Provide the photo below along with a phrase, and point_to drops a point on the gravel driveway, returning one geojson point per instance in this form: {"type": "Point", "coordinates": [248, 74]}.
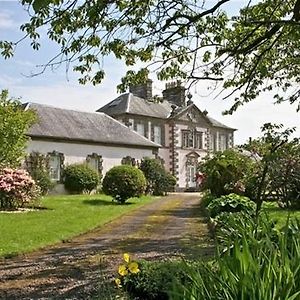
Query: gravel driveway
{"type": "Point", "coordinates": [169, 227]}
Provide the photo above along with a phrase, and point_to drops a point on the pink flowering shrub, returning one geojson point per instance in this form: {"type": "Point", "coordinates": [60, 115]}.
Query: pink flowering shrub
{"type": "Point", "coordinates": [17, 188]}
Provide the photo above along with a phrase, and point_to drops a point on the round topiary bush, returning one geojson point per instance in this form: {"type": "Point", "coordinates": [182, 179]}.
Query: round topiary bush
{"type": "Point", "coordinates": [80, 178]}
{"type": "Point", "coordinates": [123, 182]}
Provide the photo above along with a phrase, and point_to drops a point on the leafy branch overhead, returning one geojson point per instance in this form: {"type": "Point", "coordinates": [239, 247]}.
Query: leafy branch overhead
{"type": "Point", "coordinates": [255, 51]}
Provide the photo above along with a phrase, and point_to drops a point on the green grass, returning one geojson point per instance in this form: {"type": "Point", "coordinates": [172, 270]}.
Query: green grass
{"type": "Point", "coordinates": [279, 214]}
{"type": "Point", "coordinates": [64, 218]}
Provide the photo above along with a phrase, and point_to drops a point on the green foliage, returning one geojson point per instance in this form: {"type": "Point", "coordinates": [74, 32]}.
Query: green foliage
{"type": "Point", "coordinates": [276, 172]}
{"type": "Point", "coordinates": [70, 215]}
{"type": "Point", "coordinates": [284, 174]}
{"type": "Point", "coordinates": [43, 180]}
{"type": "Point", "coordinates": [225, 172]}
{"type": "Point", "coordinates": [252, 52]}
{"type": "Point", "coordinates": [257, 42]}
{"type": "Point", "coordinates": [159, 181]}
{"type": "Point", "coordinates": [37, 165]}
{"type": "Point", "coordinates": [80, 178]}
{"type": "Point", "coordinates": [206, 199]}
{"type": "Point", "coordinates": [170, 182]}
{"type": "Point", "coordinates": [14, 124]}
{"type": "Point", "coordinates": [154, 280]}
{"type": "Point", "coordinates": [230, 203]}
{"type": "Point", "coordinates": [164, 183]}
{"type": "Point", "coordinates": [255, 264]}
{"type": "Point", "coordinates": [124, 182]}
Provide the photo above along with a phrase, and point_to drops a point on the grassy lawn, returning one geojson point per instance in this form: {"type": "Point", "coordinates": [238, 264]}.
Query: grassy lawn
{"type": "Point", "coordinates": [65, 217]}
{"type": "Point", "coordinates": [279, 214]}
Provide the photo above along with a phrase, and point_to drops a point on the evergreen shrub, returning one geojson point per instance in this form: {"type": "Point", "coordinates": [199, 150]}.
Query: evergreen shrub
{"type": "Point", "coordinates": [79, 178]}
{"type": "Point", "coordinates": [123, 182]}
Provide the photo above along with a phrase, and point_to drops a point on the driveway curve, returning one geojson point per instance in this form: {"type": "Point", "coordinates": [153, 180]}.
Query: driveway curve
{"type": "Point", "coordinates": [166, 228]}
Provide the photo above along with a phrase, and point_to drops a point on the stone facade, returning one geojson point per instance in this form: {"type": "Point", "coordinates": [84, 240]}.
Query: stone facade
{"type": "Point", "coordinates": [185, 133]}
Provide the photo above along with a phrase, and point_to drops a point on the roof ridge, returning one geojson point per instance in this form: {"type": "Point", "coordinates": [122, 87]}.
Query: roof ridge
{"type": "Point", "coordinates": [128, 102]}
{"type": "Point", "coordinates": [28, 104]}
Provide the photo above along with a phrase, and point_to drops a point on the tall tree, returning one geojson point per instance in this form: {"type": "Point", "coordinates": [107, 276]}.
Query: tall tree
{"type": "Point", "coordinates": [14, 124]}
{"type": "Point", "coordinates": [278, 164]}
{"type": "Point", "coordinates": [256, 51]}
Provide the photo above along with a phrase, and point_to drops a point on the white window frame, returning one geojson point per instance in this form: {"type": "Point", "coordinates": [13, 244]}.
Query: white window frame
{"type": "Point", "coordinates": [185, 139]}
{"type": "Point", "coordinates": [157, 134]}
{"type": "Point", "coordinates": [223, 142]}
{"type": "Point", "coordinates": [199, 140]}
{"type": "Point", "coordinates": [192, 139]}
{"type": "Point", "coordinates": [140, 129]}
{"type": "Point", "coordinates": [56, 169]}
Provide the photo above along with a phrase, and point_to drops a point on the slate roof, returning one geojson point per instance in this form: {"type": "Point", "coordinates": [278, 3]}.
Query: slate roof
{"type": "Point", "coordinates": [216, 123]}
{"type": "Point", "coordinates": [72, 125]}
{"type": "Point", "coordinates": [130, 104]}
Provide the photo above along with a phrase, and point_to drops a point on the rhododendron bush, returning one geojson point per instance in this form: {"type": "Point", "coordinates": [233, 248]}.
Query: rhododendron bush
{"type": "Point", "coordinates": [17, 188]}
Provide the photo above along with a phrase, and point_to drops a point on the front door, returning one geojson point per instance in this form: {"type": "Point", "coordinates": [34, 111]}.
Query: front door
{"type": "Point", "coordinates": [191, 176]}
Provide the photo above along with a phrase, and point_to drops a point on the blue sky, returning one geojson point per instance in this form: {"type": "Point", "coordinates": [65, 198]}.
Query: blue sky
{"type": "Point", "coordinates": [61, 89]}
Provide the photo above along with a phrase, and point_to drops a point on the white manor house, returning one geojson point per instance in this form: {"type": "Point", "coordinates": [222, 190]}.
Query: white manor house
{"type": "Point", "coordinates": [132, 126]}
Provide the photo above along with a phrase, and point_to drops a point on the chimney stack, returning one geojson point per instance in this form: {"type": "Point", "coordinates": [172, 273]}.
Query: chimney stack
{"type": "Point", "coordinates": [143, 90]}
{"type": "Point", "coordinates": [175, 93]}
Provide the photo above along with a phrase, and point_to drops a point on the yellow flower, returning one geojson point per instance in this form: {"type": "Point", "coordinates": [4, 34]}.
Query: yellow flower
{"type": "Point", "coordinates": [123, 270]}
{"type": "Point", "coordinates": [133, 267]}
{"type": "Point", "coordinates": [118, 282]}
{"type": "Point", "coordinates": [126, 257]}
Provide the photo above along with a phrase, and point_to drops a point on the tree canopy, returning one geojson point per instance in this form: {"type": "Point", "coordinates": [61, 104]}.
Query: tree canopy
{"type": "Point", "coordinates": [247, 54]}
{"type": "Point", "coordinates": [14, 124]}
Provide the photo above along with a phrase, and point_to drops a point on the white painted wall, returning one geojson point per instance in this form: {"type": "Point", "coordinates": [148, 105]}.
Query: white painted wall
{"type": "Point", "coordinates": [76, 153]}
{"type": "Point", "coordinates": [164, 153]}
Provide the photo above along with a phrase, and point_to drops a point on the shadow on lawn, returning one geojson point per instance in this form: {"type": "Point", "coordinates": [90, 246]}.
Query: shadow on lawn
{"type": "Point", "coordinates": [70, 270]}
{"type": "Point", "coordinates": [97, 202]}
{"type": "Point", "coordinates": [100, 202]}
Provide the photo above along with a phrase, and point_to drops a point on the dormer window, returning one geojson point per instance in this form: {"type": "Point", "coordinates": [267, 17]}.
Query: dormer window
{"type": "Point", "coordinates": [140, 128]}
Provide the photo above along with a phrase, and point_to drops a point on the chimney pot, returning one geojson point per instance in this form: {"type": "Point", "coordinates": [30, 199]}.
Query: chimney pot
{"type": "Point", "coordinates": [143, 90]}
{"type": "Point", "coordinates": [175, 93]}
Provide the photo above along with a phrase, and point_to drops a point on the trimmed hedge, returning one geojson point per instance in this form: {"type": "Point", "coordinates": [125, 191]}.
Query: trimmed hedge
{"type": "Point", "coordinates": [80, 178]}
{"type": "Point", "coordinates": [124, 182]}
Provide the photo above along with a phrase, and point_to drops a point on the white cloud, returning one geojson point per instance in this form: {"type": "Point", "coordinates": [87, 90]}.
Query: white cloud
{"type": "Point", "coordinates": [6, 20]}
{"type": "Point", "coordinates": [65, 95]}
{"type": "Point", "coordinates": [7, 81]}
{"type": "Point", "coordinates": [24, 63]}
{"type": "Point", "coordinates": [249, 118]}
